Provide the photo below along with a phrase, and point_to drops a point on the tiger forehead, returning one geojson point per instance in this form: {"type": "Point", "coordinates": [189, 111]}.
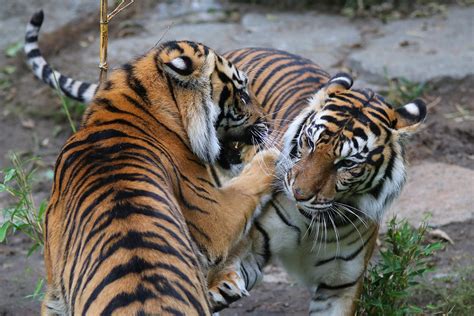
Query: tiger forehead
{"type": "Point", "coordinates": [360, 105]}
{"type": "Point", "coordinates": [170, 50]}
{"type": "Point", "coordinates": [239, 78]}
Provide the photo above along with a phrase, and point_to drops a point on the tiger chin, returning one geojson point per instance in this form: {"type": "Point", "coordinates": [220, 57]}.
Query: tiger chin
{"type": "Point", "coordinates": [134, 220]}
{"type": "Point", "coordinates": [341, 166]}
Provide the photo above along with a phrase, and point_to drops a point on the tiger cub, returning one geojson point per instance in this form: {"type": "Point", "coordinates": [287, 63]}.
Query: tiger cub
{"type": "Point", "coordinates": [134, 219]}
{"type": "Point", "coordinates": [342, 164]}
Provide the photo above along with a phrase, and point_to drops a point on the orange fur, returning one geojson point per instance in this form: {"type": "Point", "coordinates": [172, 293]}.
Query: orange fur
{"type": "Point", "coordinates": [134, 219]}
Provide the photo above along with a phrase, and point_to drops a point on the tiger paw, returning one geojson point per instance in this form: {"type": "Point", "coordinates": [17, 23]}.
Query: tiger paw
{"type": "Point", "coordinates": [227, 290]}
{"type": "Point", "coordinates": [261, 170]}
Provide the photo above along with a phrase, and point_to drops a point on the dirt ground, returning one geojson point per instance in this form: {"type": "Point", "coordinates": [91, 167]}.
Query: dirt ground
{"type": "Point", "coordinates": [32, 123]}
{"type": "Point", "coordinates": [447, 137]}
{"type": "Point", "coordinates": [19, 275]}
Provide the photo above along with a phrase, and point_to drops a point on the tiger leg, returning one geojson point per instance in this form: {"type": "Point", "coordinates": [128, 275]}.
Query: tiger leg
{"type": "Point", "coordinates": [233, 209]}
{"type": "Point", "coordinates": [341, 299]}
{"type": "Point", "coordinates": [240, 273]}
{"type": "Point", "coordinates": [335, 301]}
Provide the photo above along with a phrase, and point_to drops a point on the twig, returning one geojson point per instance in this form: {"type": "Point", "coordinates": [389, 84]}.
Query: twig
{"type": "Point", "coordinates": [163, 35]}
{"type": "Point", "coordinates": [122, 6]}
{"type": "Point", "coordinates": [104, 34]}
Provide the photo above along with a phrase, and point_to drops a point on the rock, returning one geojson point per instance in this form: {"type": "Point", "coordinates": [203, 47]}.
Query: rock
{"type": "Point", "coordinates": [15, 15]}
{"type": "Point", "coordinates": [320, 37]}
{"type": "Point", "coordinates": [445, 191]}
{"type": "Point", "coordinates": [420, 49]}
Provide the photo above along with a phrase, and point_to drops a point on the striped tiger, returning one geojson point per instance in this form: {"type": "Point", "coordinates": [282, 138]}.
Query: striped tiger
{"type": "Point", "coordinates": [134, 220]}
{"type": "Point", "coordinates": [323, 223]}
{"type": "Point", "coordinates": [342, 164]}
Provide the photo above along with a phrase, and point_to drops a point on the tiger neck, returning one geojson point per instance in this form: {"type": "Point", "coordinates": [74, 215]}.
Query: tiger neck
{"type": "Point", "coordinates": [143, 100]}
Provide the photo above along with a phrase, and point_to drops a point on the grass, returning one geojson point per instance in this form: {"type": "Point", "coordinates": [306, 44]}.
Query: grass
{"type": "Point", "coordinates": [23, 214]}
{"type": "Point", "coordinates": [401, 91]}
{"type": "Point", "coordinates": [450, 295]}
{"type": "Point", "coordinates": [404, 260]}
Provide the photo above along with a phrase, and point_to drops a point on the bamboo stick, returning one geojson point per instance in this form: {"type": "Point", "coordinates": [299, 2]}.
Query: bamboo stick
{"type": "Point", "coordinates": [104, 34]}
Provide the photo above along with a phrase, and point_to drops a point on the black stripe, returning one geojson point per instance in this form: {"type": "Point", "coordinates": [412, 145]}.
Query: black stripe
{"type": "Point", "coordinates": [135, 84]}
{"type": "Point", "coordinates": [349, 257]}
{"type": "Point", "coordinates": [141, 294]}
{"type": "Point", "coordinates": [324, 286]}
{"type": "Point", "coordinates": [31, 38]}
{"type": "Point", "coordinates": [286, 221]}
{"type": "Point", "coordinates": [135, 265]}
{"type": "Point", "coordinates": [33, 53]}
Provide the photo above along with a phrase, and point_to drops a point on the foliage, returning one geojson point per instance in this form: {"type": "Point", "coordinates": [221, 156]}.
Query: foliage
{"type": "Point", "coordinates": [449, 295]}
{"type": "Point", "coordinates": [13, 49]}
{"type": "Point", "coordinates": [403, 260]}
{"type": "Point", "coordinates": [382, 9]}
{"type": "Point", "coordinates": [23, 215]}
{"type": "Point", "coordinates": [401, 90]}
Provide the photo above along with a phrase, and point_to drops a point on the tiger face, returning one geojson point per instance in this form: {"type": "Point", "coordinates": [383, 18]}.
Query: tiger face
{"type": "Point", "coordinates": [222, 110]}
{"type": "Point", "coordinates": [240, 118]}
{"type": "Point", "coordinates": [347, 149]}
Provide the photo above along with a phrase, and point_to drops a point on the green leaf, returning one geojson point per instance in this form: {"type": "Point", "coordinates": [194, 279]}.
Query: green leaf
{"type": "Point", "coordinates": [38, 287]}
{"type": "Point", "coordinates": [4, 230]}
{"type": "Point", "coordinates": [9, 174]}
{"type": "Point", "coordinates": [3, 187]}
{"type": "Point", "coordinates": [13, 49]}
{"type": "Point", "coordinates": [9, 70]}
{"type": "Point", "coordinates": [32, 249]}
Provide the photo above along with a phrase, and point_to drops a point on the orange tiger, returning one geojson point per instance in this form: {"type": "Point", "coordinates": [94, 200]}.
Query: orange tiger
{"type": "Point", "coordinates": [134, 220]}
{"type": "Point", "coordinates": [342, 164]}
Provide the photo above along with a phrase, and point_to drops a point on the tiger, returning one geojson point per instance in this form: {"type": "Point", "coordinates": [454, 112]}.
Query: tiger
{"type": "Point", "coordinates": [322, 224]}
{"type": "Point", "coordinates": [342, 164]}
{"type": "Point", "coordinates": [134, 220]}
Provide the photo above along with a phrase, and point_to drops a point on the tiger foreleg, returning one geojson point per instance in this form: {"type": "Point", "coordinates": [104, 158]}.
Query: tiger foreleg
{"type": "Point", "coordinates": [335, 301]}
{"type": "Point", "coordinates": [240, 274]}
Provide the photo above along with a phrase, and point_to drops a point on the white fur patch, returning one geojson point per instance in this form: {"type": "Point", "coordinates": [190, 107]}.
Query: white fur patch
{"type": "Point", "coordinates": [201, 132]}
{"type": "Point", "coordinates": [179, 63]}
{"type": "Point", "coordinates": [343, 78]}
{"type": "Point", "coordinates": [413, 109]}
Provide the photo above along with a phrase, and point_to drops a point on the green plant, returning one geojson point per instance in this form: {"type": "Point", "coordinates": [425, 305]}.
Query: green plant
{"type": "Point", "coordinates": [404, 259]}
{"type": "Point", "coordinates": [13, 49]}
{"type": "Point", "coordinates": [401, 90]}
{"type": "Point", "coordinates": [449, 295]}
{"type": "Point", "coordinates": [22, 215]}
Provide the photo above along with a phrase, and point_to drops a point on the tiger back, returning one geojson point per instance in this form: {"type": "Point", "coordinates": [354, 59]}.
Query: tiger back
{"type": "Point", "coordinates": [134, 219]}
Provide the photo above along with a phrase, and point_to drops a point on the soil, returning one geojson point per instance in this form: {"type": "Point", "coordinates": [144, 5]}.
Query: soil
{"type": "Point", "coordinates": [19, 275]}
{"type": "Point", "coordinates": [448, 133]}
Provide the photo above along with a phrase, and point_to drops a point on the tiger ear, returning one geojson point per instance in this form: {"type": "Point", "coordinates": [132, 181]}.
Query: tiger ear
{"type": "Point", "coordinates": [182, 65]}
{"type": "Point", "coordinates": [338, 83]}
{"type": "Point", "coordinates": [409, 117]}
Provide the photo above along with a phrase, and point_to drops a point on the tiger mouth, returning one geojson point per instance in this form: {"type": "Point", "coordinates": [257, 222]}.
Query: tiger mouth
{"type": "Point", "coordinates": [308, 215]}
{"type": "Point", "coordinates": [311, 212]}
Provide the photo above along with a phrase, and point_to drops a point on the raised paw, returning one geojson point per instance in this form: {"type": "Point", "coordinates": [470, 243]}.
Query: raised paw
{"type": "Point", "coordinates": [261, 170]}
{"type": "Point", "coordinates": [230, 288]}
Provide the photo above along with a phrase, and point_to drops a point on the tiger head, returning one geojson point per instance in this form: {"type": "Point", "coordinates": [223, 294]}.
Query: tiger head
{"type": "Point", "coordinates": [345, 151]}
{"type": "Point", "coordinates": [218, 105]}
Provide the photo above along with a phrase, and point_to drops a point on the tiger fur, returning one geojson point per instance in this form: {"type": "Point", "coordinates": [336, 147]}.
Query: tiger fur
{"type": "Point", "coordinates": [341, 166]}
{"type": "Point", "coordinates": [134, 220]}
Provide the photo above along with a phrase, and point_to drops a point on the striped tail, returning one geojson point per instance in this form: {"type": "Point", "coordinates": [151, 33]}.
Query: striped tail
{"type": "Point", "coordinates": [74, 89]}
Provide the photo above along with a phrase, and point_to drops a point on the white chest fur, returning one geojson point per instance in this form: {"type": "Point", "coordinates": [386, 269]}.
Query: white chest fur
{"type": "Point", "coordinates": [315, 253]}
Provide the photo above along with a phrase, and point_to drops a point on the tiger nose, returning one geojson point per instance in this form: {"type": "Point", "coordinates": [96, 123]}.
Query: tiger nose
{"type": "Point", "coordinates": [299, 194]}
